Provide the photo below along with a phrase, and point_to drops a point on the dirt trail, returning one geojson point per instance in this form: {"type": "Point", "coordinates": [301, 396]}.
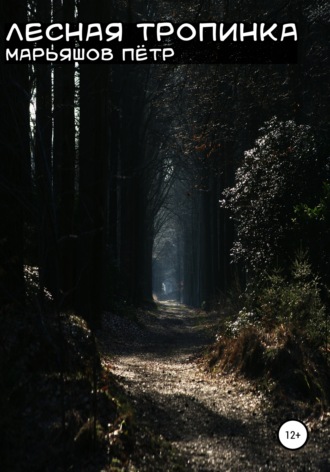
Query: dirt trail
{"type": "Point", "coordinates": [215, 424]}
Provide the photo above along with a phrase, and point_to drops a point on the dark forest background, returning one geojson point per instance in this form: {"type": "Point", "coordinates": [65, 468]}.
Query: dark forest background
{"type": "Point", "coordinates": [112, 173]}
{"type": "Point", "coordinates": [200, 183]}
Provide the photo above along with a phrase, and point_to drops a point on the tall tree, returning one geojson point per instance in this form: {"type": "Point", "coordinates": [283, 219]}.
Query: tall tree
{"type": "Point", "coordinates": [14, 165]}
{"type": "Point", "coordinates": [94, 146]}
{"type": "Point", "coordinates": [46, 224]}
{"type": "Point", "coordinates": [64, 159]}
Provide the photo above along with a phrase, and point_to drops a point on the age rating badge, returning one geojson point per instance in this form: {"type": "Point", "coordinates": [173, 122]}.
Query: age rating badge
{"type": "Point", "coordinates": [293, 434]}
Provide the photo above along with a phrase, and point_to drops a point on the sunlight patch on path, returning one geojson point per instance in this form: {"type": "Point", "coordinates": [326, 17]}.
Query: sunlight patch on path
{"type": "Point", "coordinates": [216, 423]}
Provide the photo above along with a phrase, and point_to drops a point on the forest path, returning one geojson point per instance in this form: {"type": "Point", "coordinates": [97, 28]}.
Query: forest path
{"type": "Point", "coordinates": [215, 423]}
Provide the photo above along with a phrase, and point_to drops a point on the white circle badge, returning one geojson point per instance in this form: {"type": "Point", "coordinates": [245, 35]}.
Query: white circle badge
{"type": "Point", "coordinates": [293, 434]}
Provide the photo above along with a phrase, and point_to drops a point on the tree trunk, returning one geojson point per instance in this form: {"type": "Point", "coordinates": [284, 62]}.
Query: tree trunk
{"type": "Point", "coordinates": [47, 240]}
{"type": "Point", "coordinates": [64, 163]}
{"type": "Point", "coordinates": [14, 167]}
{"type": "Point", "coordinates": [94, 145]}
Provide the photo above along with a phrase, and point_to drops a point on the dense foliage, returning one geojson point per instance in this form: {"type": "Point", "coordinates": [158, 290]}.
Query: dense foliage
{"type": "Point", "coordinates": [293, 300]}
{"type": "Point", "coordinates": [282, 170]}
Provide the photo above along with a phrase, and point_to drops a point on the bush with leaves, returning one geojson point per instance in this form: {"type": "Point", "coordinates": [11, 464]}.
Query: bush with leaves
{"type": "Point", "coordinates": [281, 171]}
{"type": "Point", "coordinates": [292, 300]}
{"type": "Point", "coordinates": [245, 319]}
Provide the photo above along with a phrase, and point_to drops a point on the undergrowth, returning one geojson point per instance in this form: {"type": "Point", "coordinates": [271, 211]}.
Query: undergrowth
{"type": "Point", "coordinates": [51, 419]}
{"type": "Point", "coordinates": [61, 406]}
{"type": "Point", "coordinates": [279, 337]}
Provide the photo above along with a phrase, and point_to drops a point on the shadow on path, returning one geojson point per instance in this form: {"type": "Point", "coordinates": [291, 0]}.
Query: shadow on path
{"type": "Point", "coordinates": [216, 424]}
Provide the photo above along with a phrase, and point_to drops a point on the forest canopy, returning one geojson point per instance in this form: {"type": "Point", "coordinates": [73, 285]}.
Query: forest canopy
{"type": "Point", "coordinates": [90, 203]}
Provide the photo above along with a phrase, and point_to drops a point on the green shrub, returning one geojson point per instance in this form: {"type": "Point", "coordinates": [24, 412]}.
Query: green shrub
{"type": "Point", "coordinates": [282, 170]}
{"type": "Point", "coordinates": [244, 320]}
{"type": "Point", "coordinates": [293, 299]}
